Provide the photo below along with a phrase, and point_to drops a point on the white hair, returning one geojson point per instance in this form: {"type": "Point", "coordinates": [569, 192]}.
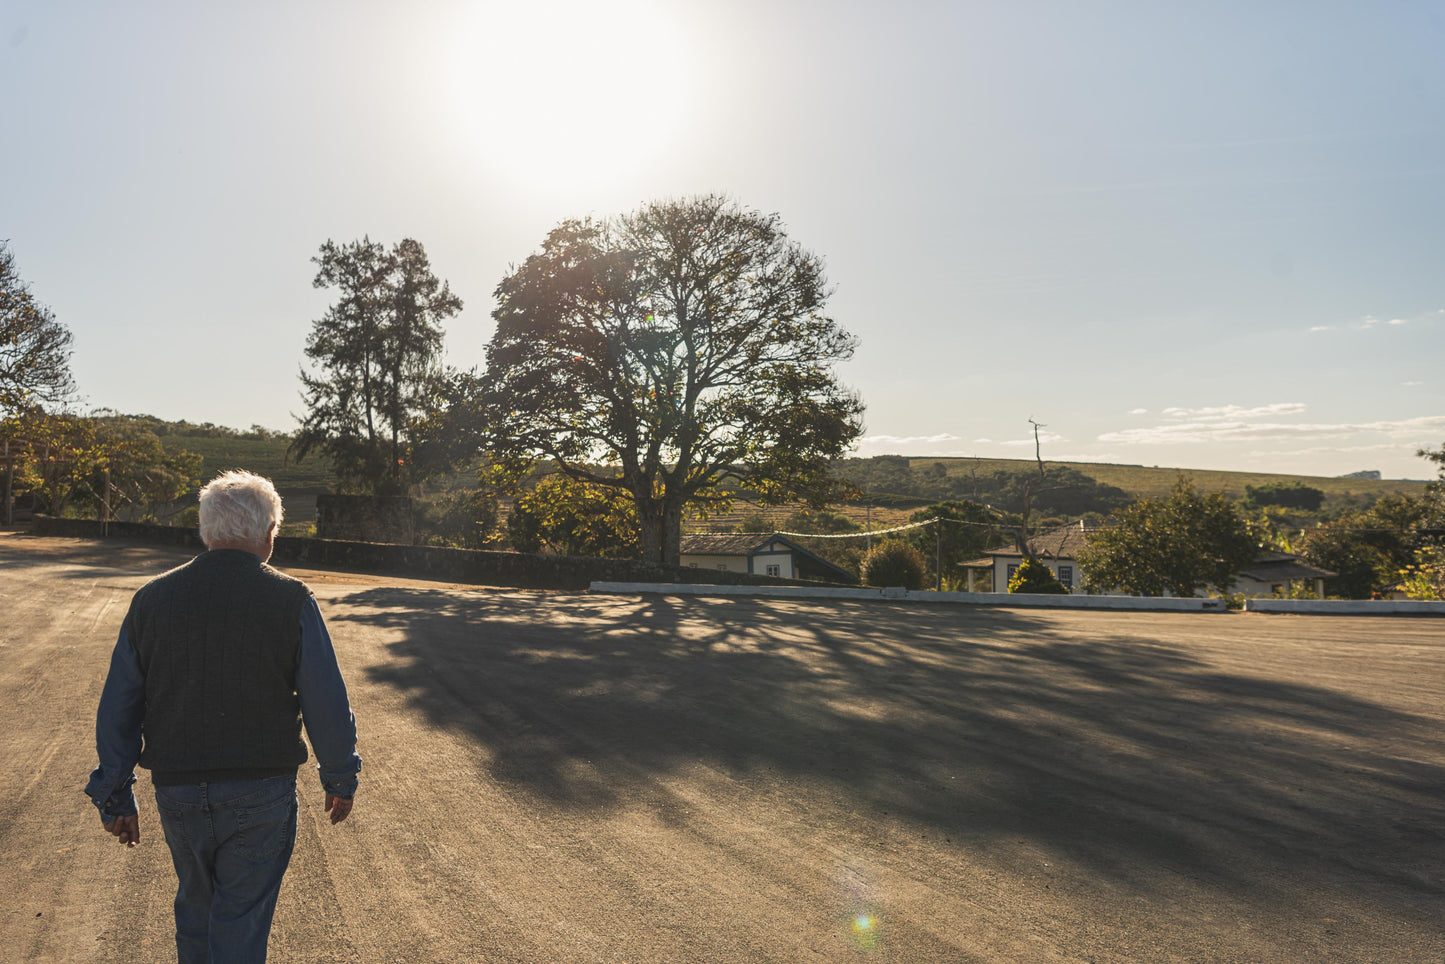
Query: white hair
{"type": "Point", "coordinates": [240, 507]}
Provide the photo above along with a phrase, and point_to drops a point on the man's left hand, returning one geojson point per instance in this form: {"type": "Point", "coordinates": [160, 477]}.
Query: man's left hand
{"type": "Point", "coordinates": [127, 829]}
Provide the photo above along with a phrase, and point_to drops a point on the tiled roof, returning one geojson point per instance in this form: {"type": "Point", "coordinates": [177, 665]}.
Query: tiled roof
{"type": "Point", "coordinates": [723, 543]}
{"type": "Point", "coordinates": [1063, 542]}
{"type": "Point", "coordinates": [1283, 567]}
{"type": "Point", "coordinates": [1066, 541]}
{"type": "Point", "coordinates": [746, 543]}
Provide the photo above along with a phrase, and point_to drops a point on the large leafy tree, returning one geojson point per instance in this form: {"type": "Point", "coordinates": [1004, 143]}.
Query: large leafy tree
{"type": "Point", "coordinates": [1369, 550]}
{"type": "Point", "coordinates": [573, 518]}
{"type": "Point", "coordinates": [34, 346]}
{"type": "Point", "coordinates": [965, 533]}
{"type": "Point", "coordinates": [377, 357]}
{"type": "Point", "coordinates": [1180, 544]}
{"type": "Point", "coordinates": [658, 352]}
{"type": "Point", "coordinates": [112, 464]}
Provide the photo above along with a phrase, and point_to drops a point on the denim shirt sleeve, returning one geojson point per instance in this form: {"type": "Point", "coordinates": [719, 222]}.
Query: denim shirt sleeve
{"type": "Point", "coordinates": [325, 707]}
{"type": "Point", "coordinates": [118, 732]}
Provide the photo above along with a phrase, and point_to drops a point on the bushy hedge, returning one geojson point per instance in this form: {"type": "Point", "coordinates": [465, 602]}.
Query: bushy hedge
{"type": "Point", "coordinates": [893, 563]}
{"type": "Point", "coordinates": [1034, 576]}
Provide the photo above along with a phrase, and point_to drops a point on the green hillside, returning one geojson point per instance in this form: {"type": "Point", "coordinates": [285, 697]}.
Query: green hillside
{"type": "Point", "coordinates": [1143, 481]}
{"type": "Point", "coordinates": [263, 456]}
{"type": "Point", "coordinates": [224, 449]}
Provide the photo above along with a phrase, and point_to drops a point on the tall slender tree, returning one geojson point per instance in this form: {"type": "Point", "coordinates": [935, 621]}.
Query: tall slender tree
{"type": "Point", "coordinates": [34, 346]}
{"type": "Point", "coordinates": [376, 357]}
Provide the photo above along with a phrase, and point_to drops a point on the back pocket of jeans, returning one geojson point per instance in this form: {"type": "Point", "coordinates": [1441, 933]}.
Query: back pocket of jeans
{"type": "Point", "coordinates": [263, 832]}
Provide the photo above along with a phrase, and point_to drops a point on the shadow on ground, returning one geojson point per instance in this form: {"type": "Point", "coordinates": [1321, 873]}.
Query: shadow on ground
{"type": "Point", "coordinates": [979, 724]}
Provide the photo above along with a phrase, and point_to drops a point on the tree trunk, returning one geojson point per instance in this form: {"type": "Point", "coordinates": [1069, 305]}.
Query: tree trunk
{"type": "Point", "coordinates": [672, 532]}
{"type": "Point", "coordinates": [650, 529]}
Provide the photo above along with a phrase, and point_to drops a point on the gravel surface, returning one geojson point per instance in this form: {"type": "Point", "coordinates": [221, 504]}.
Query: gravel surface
{"type": "Point", "coordinates": [565, 777]}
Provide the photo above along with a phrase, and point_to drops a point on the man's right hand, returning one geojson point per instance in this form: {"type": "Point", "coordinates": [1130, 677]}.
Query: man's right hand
{"type": "Point", "coordinates": [127, 829]}
{"type": "Point", "coordinates": [338, 807]}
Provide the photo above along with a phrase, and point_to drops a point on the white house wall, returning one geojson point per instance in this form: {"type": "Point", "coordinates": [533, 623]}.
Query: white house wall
{"type": "Point", "coordinates": [1001, 566]}
{"type": "Point", "coordinates": [783, 560]}
{"type": "Point", "coordinates": [730, 563]}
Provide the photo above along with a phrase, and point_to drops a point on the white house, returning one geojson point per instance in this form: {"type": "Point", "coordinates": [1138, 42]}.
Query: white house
{"type": "Point", "coordinates": [759, 553]}
{"type": "Point", "coordinates": [1058, 549]}
{"type": "Point", "coordinates": [1055, 549]}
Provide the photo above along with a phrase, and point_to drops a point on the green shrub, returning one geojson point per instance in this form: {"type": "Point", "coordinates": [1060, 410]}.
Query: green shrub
{"type": "Point", "coordinates": [461, 519]}
{"type": "Point", "coordinates": [1034, 576]}
{"type": "Point", "coordinates": [893, 563]}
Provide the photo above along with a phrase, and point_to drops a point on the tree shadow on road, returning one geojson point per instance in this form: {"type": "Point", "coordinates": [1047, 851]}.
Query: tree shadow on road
{"type": "Point", "coordinates": [980, 724]}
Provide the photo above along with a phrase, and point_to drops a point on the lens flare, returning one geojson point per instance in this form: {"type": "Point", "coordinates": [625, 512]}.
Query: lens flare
{"type": "Point", "coordinates": [865, 931]}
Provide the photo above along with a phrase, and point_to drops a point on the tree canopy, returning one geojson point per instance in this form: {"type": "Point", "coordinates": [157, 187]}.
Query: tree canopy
{"type": "Point", "coordinates": [658, 352]}
{"type": "Point", "coordinates": [1371, 549]}
{"type": "Point", "coordinates": [1180, 544]}
{"type": "Point", "coordinates": [966, 532]}
{"type": "Point", "coordinates": [377, 355]}
{"type": "Point", "coordinates": [108, 462]}
{"type": "Point", "coordinates": [34, 346]}
{"type": "Point", "coordinates": [1290, 495]}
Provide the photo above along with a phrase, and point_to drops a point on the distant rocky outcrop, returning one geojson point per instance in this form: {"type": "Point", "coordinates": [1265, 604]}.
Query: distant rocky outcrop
{"type": "Point", "coordinates": [1370, 475]}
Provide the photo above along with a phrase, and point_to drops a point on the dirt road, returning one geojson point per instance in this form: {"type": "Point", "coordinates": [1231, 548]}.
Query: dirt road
{"type": "Point", "coordinates": [579, 778]}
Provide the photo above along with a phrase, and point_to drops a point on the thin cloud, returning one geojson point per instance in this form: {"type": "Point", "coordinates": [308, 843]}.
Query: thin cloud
{"type": "Point", "coordinates": [1084, 457]}
{"type": "Point", "coordinates": [909, 439]}
{"type": "Point", "coordinates": [1193, 433]}
{"type": "Point", "coordinates": [1211, 413]}
{"type": "Point", "coordinates": [1399, 321]}
{"type": "Point", "coordinates": [1046, 438]}
{"type": "Point", "coordinates": [1138, 411]}
{"type": "Point", "coordinates": [1411, 384]}
{"type": "Point", "coordinates": [1323, 328]}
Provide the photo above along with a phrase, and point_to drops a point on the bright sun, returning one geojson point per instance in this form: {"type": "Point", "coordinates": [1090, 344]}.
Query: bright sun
{"type": "Point", "coordinates": [569, 91]}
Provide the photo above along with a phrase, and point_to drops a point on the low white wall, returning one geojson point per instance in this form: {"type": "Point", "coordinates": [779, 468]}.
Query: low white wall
{"type": "Point", "coordinates": [1012, 600]}
{"type": "Point", "coordinates": [1347, 607]}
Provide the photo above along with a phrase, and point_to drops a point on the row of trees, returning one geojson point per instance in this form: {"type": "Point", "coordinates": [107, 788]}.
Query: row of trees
{"type": "Point", "coordinates": [111, 465]}
{"type": "Point", "coordinates": [657, 359]}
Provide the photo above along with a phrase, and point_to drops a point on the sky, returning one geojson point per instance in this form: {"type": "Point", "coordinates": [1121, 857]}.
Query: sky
{"type": "Point", "coordinates": [1205, 235]}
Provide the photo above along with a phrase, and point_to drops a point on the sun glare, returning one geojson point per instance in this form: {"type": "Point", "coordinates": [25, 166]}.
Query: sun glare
{"type": "Point", "coordinates": [559, 92]}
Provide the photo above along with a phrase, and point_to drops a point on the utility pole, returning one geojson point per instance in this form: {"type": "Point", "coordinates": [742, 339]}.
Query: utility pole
{"type": "Point", "coordinates": [9, 485]}
{"type": "Point", "coordinates": [938, 554]}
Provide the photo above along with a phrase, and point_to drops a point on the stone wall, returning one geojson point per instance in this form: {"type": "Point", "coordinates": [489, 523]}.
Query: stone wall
{"type": "Point", "coordinates": [520, 569]}
{"type": "Point", "coordinates": [364, 518]}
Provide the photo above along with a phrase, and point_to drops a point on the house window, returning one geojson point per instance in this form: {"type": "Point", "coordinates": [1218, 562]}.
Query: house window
{"type": "Point", "coordinates": [775, 571]}
{"type": "Point", "coordinates": [1066, 576]}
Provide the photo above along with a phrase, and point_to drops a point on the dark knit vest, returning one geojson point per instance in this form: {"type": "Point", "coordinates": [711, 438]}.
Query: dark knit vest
{"type": "Point", "coordinates": [219, 640]}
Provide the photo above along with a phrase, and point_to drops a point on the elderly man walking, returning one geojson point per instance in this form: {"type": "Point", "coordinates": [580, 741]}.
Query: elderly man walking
{"type": "Point", "coordinates": [217, 665]}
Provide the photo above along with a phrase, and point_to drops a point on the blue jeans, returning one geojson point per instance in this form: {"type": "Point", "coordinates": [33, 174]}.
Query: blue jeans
{"type": "Point", "coordinates": [231, 842]}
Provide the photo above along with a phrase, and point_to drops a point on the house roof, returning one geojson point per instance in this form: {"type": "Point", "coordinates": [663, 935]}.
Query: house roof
{"type": "Point", "coordinates": [1063, 542]}
{"type": "Point", "coordinates": [747, 544]}
{"type": "Point", "coordinates": [723, 543]}
{"type": "Point", "coordinates": [1282, 567]}
{"type": "Point", "coordinates": [1066, 541]}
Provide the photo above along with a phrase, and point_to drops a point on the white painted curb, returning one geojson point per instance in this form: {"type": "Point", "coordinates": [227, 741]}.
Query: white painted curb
{"type": "Point", "coordinates": [1348, 607]}
{"type": "Point", "coordinates": [1009, 599]}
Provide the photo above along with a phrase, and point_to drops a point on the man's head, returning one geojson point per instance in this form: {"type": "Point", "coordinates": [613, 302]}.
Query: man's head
{"type": "Point", "coordinates": [240, 511]}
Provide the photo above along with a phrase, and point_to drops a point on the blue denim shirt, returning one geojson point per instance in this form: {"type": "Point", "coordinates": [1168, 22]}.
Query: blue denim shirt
{"type": "Point", "coordinates": [325, 709]}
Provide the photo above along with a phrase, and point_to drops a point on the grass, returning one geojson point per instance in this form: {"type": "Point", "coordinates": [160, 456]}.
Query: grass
{"type": "Point", "coordinates": [262, 456]}
{"type": "Point", "coordinates": [1142, 481]}
{"type": "Point", "coordinates": [313, 475]}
